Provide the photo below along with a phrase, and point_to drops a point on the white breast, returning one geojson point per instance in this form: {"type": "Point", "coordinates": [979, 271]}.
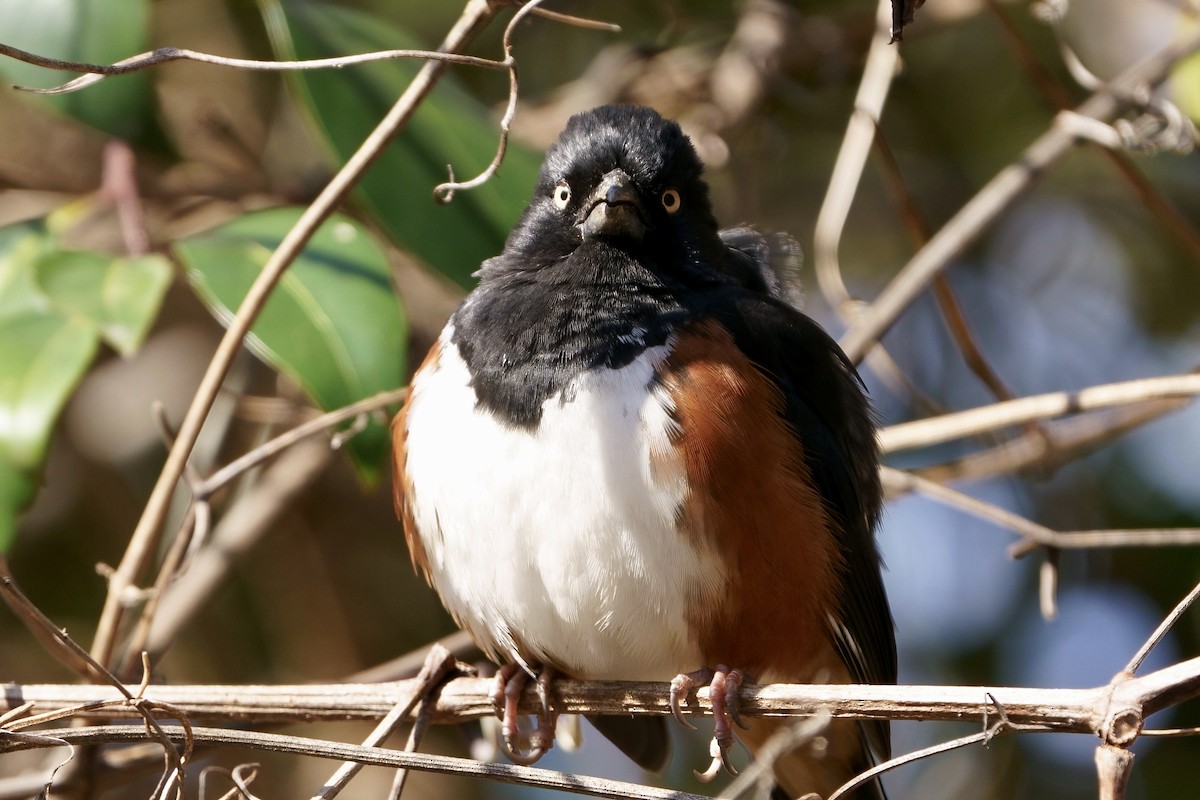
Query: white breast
{"type": "Point", "coordinates": [559, 545]}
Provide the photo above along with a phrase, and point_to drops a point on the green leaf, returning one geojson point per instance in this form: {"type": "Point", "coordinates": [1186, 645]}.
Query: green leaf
{"type": "Point", "coordinates": [120, 296]}
{"type": "Point", "coordinates": [43, 354]}
{"type": "Point", "coordinates": [20, 245]}
{"type": "Point", "coordinates": [1185, 83]}
{"type": "Point", "coordinates": [333, 323]}
{"type": "Point", "coordinates": [17, 488]}
{"type": "Point", "coordinates": [450, 127]}
{"type": "Point", "coordinates": [94, 31]}
{"type": "Point", "coordinates": [55, 305]}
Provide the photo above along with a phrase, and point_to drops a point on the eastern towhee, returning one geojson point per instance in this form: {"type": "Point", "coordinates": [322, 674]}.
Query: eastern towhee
{"type": "Point", "coordinates": [627, 457]}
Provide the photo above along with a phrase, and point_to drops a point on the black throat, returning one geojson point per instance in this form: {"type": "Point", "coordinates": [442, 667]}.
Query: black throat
{"type": "Point", "coordinates": [528, 331]}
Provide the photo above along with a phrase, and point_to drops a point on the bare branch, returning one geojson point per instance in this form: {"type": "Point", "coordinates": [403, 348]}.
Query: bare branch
{"type": "Point", "coordinates": [578, 22]}
{"type": "Point", "coordinates": [961, 424]}
{"type": "Point", "coordinates": [375, 756]}
{"type": "Point", "coordinates": [242, 526]}
{"type": "Point", "coordinates": [1114, 711]}
{"type": "Point", "coordinates": [1036, 535]}
{"type": "Point", "coordinates": [1162, 629]}
{"type": "Point", "coordinates": [908, 758]}
{"type": "Point", "coordinates": [878, 73]}
{"type": "Point", "coordinates": [462, 699]}
{"type": "Point", "coordinates": [76, 657]}
{"type": "Point", "coordinates": [314, 426]}
{"type": "Point", "coordinates": [1068, 439]}
{"type": "Point", "coordinates": [1057, 98]}
{"type": "Point", "coordinates": [1113, 768]}
{"type": "Point", "coordinates": [438, 664]}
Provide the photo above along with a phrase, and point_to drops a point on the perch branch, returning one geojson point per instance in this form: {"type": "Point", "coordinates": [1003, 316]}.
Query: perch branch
{"type": "Point", "coordinates": [463, 699]}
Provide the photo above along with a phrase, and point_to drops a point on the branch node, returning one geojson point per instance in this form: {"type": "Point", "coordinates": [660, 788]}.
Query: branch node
{"type": "Point", "coordinates": [1122, 727]}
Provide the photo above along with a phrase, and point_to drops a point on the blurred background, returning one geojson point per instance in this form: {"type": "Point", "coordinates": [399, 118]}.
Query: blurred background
{"type": "Point", "coordinates": [176, 180]}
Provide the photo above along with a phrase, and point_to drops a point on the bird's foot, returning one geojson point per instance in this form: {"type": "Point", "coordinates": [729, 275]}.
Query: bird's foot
{"type": "Point", "coordinates": [510, 682]}
{"type": "Point", "coordinates": [723, 686]}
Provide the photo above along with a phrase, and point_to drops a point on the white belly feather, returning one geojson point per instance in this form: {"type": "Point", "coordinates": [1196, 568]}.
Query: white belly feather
{"type": "Point", "coordinates": [559, 545]}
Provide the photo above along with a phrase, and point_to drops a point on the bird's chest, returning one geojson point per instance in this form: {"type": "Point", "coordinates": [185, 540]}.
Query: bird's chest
{"type": "Point", "coordinates": [558, 543]}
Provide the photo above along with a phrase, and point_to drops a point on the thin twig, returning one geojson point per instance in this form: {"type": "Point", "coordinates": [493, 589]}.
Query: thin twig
{"type": "Point", "coordinates": [89, 668]}
{"type": "Point", "coordinates": [1168, 733]}
{"type": "Point", "coordinates": [444, 192]}
{"type": "Point", "coordinates": [908, 758]}
{"type": "Point", "coordinates": [263, 452]}
{"type": "Point", "coordinates": [1073, 438]}
{"type": "Point", "coordinates": [972, 219]}
{"type": "Point", "coordinates": [168, 571]}
{"type": "Point", "coordinates": [165, 55]}
{"type": "Point", "coordinates": [1056, 98]}
{"type": "Point", "coordinates": [1037, 535]}
{"type": "Point", "coordinates": [118, 183]}
{"type": "Point", "coordinates": [760, 772]}
{"type": "Point", "coordinates": [578, 22]}
{"type": "Point", "coordinates": [880, 69]}
{"type": "Point", "coordinates": [145, 537]}
{"type": "Point", "coordinates": [438, 664]}
{"type": "Point", "coordinates": [951, 311]}
{"type": "Point", "coordinates": [242, 526]}
{"type": "Point", "coordinates": [375, 756]}
{"type": "Point", "coordinates": [1162, 629]}
{"type": "Point", "coordinates": [460, 644]}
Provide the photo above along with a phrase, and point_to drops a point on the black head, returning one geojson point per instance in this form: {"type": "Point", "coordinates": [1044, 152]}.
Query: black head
{"type": "Point", "coordinates": [619, 177]}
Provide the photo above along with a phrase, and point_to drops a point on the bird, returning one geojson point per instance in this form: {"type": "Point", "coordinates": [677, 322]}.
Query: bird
{"type": "Point", "coordinates": [628, 456]}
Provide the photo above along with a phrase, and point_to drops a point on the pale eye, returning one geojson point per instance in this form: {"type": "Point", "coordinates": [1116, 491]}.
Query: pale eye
{"type": "Point", "coordinates": [670, 200]}
{"type": "Point", "coordinates": [562, 194]}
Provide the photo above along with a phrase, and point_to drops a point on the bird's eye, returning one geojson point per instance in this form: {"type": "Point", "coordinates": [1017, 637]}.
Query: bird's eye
{"type": "Point", "coordinates": [562, 194]}
{"type": "Point", "coordinates": [670, 200]}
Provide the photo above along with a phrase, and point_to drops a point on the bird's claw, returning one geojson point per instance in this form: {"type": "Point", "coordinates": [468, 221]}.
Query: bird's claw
{"type": "Point", "coordinates": [719, 752]}
{"type": "Point", "coordinates": [724, 687]}
{"type": "Point", "coordinates": [539, 745]}
{"type": "Point", "coordinates": [681, 685]}
{"type": "Point", "coordinates": [506, 696]}
{"type": "Point", "coordinates": [734, 679]}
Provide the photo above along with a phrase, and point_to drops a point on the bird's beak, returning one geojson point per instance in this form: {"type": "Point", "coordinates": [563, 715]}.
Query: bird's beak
{"type": "Point", "coordinates": [614, 209]}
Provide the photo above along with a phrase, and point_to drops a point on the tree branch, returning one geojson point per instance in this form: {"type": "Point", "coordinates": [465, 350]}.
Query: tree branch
{"type": "Point", "coordinates": [961, 424]}
{"type": "Point", "coordinates": [374, 756]}
{"type": "Point", "coordinates": [966, 226]}
{"type": "Point", "coordinates": [165, 55]}
{"type": "Point", "coordinates": [464, 699]}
